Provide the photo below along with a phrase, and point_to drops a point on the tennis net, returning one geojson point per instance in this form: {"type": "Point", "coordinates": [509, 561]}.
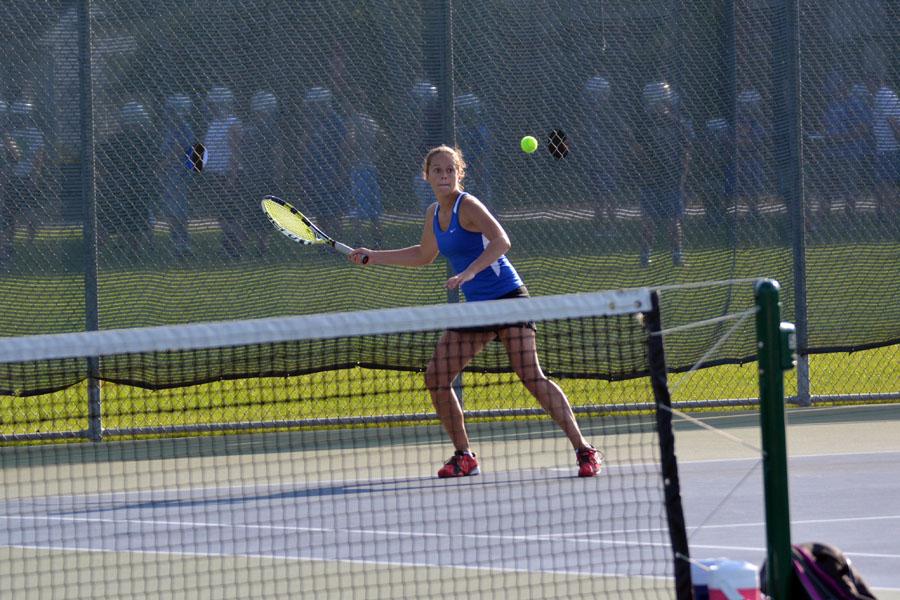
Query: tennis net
{"type": "Point", "coordinates": [326, 484]}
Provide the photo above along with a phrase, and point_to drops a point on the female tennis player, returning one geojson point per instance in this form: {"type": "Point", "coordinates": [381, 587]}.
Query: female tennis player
{"type": "Point", "coordinates": [460, 227]}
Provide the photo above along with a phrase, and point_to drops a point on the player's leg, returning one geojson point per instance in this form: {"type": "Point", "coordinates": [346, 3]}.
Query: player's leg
{"type": "Point", "coordinates": [522, 349]}
{"type": "Point", "coordinates": [521, 346]}
{"type": "Point", "coordinates": [454, 351]}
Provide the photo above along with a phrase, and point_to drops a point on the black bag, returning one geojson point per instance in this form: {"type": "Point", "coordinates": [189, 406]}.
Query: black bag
{"type": "Point", "coordinates": [822, 572]}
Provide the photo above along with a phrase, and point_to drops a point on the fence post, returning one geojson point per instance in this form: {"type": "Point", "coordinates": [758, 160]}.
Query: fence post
{"type": "Point", "coordinates": [89, 213]}
{"type": "Point", "coordinates": [789, 150]}
{"type": "Point", "coordinates": [439, 67]}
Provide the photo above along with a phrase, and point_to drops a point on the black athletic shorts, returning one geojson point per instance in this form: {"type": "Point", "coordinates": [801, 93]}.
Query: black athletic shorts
{"type": "Point", "coordinates": [519, 292]}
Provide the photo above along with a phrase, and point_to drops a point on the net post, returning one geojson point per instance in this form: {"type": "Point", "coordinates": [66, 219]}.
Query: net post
{"type": "Point", "coordinates": [656, 359]}
{"type": "Point", "coordinates": [772, 361]}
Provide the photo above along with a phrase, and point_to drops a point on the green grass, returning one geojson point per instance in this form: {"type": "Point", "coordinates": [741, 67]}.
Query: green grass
{"type": "Point", "coordinates": [43, 289]}
{"type": "Point", "coordinates": [363, 392]}
{"type": "Point", "coordinates": [847, 285]}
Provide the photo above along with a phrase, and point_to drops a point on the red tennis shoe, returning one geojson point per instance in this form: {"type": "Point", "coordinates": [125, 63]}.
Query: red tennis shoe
{"type": "Point", "coordinates": [590, 460]}
{"type": "Point", "coordinates": [461, 464]}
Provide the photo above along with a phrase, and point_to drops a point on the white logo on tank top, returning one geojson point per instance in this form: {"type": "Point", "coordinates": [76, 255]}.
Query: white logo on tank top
{"type": "Point", "coordinates": [495, 266]}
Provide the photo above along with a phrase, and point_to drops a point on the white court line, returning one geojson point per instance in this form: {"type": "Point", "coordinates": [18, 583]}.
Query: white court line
{"type": "Point", "coordinates": [809, 521]}
{"type": "Point", "coordinates": [336, 531]}
{"type": "Point", "coordinates": [399, 564]}
{"type": "Point", "coordinates": [385, 533]}
{"type": "Point", "coordinates": [316, 559]}
{"type": "Point", "coordinates": [764, 550]}
{"type": "Point", "coordinates": [729, 526]}
{"type": "Point", "coordinates": [577, 538]}
{"type": "Point", "coordinates": [571, 538]}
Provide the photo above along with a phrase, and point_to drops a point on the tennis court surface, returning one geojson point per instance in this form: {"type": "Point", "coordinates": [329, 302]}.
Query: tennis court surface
{"type": "Point", "coordinates": [363, 519]}
{"type": "Point", "coordinates": [388, 528]}
{"type": "Point", "coordinates": [360, 489]}
{"type": "Point", "coordinates": [344, 502]}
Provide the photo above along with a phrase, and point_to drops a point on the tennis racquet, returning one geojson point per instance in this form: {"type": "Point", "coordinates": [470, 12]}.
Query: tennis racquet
{"type": "Point", "coordinates": [292, 223]}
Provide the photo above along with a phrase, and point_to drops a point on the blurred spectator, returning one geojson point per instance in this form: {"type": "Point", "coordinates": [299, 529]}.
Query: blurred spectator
{"type": "Point", "coordinates": [261, 165]}
{"type": "Point", "coordinates": [663, 155]}
{"type": "Point", "coordinates": [886, 130]}
{"type": "Point", "coordinates": [750, 142]}
{"type": "Point", "coordinates": [340, 82]}
{"type": "Point", "coordinates": [127, 179]}
{"type": "Point", "coordinates": [325, 162]}
{"type": "Point", "coordinates": [26, 152]}
{"type": "Point", "coordinates": [846, 132]}
{"type": "Point", "coordinates": [220, 174]}
{"type": "Point", "coordinates": [607, 140]}
{"type": "Point", "coordinates": [423, 104]}
{"type": "Point", "coordinates": [474, 138]}
{"type": "Point", "coordinates": [176, 169]}
{"type": "Point", "coordinates": [862, 100]}
{"type": "Point", "coordinates": [714, 171]}
{"type": "Point", "coordinates": [364, 135]}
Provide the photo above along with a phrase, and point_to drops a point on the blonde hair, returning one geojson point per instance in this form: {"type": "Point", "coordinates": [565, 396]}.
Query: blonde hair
{"type": "Point", "coordinates": [458, 161]}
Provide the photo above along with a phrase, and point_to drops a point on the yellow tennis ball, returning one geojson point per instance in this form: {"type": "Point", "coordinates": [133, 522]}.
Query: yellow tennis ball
{"type": "Point", "coordinates": [528, 144]}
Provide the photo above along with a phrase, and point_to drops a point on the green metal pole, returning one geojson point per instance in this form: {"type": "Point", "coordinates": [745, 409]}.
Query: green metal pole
{"type": "Point", "coordinates": [89, 223]}
{"type": "Point", "coordinates": [775, 475]}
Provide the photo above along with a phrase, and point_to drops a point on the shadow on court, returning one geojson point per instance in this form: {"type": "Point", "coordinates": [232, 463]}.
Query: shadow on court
{"type": "Point", "coordinates": [416, 485]}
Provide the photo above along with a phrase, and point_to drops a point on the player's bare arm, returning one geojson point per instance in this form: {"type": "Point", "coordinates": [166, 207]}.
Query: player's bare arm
{"type": "Point", "coordinates": [419, 255]}
{"type": "Point", "coordinates": [474, 216]}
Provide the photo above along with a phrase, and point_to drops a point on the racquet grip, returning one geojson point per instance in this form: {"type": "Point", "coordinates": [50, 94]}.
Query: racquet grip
{"type": "Point", "coordinates": [345, 249]}
{"type": "Point", "coordinates": [342, 248]}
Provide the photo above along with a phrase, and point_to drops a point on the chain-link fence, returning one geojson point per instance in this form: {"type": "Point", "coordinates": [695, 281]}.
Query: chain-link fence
{"type": "Point", "coordinates": [676, 117]}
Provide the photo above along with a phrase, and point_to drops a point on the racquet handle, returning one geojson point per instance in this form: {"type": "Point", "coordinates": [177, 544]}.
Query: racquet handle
{"type": "Point", "coordinates": [345, 249]}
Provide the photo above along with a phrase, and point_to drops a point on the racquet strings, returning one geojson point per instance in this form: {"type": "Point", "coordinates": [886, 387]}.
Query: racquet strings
{"type": "Point", "coordinates": [289, 221]}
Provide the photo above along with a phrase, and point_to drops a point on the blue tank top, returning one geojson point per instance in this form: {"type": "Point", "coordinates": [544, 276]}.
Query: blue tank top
{"type": "Point", "coordinates": [462, 247]}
